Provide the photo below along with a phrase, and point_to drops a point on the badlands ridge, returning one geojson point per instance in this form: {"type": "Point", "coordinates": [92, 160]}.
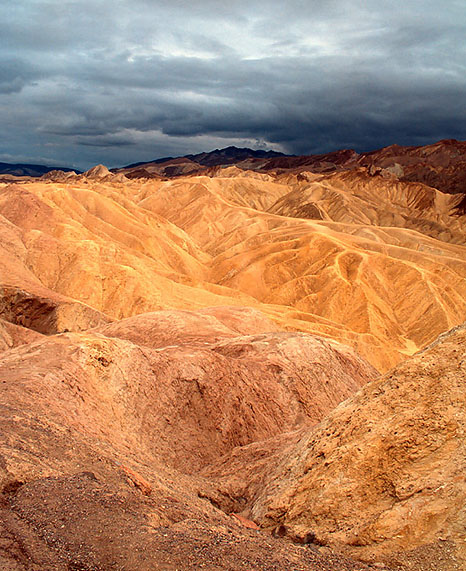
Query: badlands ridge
{"type": "Point", "coordinates": [235, 365]}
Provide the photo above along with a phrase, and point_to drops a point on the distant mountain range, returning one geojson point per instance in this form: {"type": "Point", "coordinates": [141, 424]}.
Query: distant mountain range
{"type": "Point", "coordinates": [441, 165]}
{"type": "Point", "coordinates": [228, 155]}
{"type": "Point", "coordinates": [23, 169]}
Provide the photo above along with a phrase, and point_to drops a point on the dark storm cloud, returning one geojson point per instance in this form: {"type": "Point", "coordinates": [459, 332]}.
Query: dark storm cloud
{"type": "Point", "coordinates": [15, 74]}
{"type": "Point", "coordinates": [115, 82]}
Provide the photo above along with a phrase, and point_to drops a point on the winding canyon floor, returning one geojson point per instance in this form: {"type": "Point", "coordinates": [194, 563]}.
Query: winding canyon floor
{"type": "Point", "coordinates": [235, 369]}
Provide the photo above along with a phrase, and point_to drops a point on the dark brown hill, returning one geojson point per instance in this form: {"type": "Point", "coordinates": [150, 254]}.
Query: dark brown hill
{"type": "Point", "coordinates": [23, 169]}
{"type": "Point", "coordinates": [441, 165]}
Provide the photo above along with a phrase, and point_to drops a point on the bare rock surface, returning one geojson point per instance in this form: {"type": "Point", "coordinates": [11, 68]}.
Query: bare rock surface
{"type": "Point", "coordinates": [101, 440]}
{"type": "Point", "coordinates": [385, 470]}
{"type": "Point", "coordinates": [97, 172]}
{"type": "Point", "coordinates": [46, 312]}
{"type": "Point", "coordinates": [12, 335]}
{"type": "Point", "coordinates": [162, 328]}
{"type": "Point", "coordinates": [188, 403]}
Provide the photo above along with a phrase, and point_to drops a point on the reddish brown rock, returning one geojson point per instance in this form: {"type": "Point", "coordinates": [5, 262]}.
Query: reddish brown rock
{"type": "Point", "coordinates": [137, 480]}
{"type": "Point", "coordinates": [187, 403]}
{"type": "Point", "coordinates": [247, 523]}
{"type": "Point", "coordinates": [14, 335]}
{"type": "Point", "coordinates": [90, 427]}
{"type": "Point", "coordinates": [440, 165]}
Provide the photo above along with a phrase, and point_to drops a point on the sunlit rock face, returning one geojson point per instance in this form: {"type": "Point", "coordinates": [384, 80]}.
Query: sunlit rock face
{"type": "Point", "coordinates": [385, 470]}
{"type": "Point", "coordinates": [355, 255]}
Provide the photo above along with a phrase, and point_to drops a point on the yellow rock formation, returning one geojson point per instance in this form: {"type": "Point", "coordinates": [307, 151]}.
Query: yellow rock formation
{"type": "Point", "coordinates": [376, 263]}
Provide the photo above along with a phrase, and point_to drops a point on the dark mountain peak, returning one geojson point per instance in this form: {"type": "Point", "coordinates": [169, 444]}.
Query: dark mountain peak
{"type": "Point", "coordinates": [225, 156]}
{"type": "Point", "coordinates": [231, 154]}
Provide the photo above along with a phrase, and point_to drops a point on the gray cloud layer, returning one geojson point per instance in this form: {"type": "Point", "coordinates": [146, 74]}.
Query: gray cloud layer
{"type": "Point", "coordinates": [116, 81]}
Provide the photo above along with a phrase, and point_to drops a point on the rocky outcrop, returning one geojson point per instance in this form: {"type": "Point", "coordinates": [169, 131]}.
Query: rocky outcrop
{"type": "Point", "coordinates": [14, 335]}
{"type": "Point", "coordinates": [385, 470]}
{"type": "Point", "coordinates": [46, 315]}
{"type": "Point", "coordinates": [97, 172]}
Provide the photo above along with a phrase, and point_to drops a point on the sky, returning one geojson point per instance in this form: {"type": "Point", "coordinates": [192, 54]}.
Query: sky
{"type": "Point", "coordinates": [119, 81]}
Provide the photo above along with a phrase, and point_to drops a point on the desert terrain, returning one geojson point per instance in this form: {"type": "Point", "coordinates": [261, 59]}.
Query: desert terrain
{"type": "Point", "coordinates": [236, 360]}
